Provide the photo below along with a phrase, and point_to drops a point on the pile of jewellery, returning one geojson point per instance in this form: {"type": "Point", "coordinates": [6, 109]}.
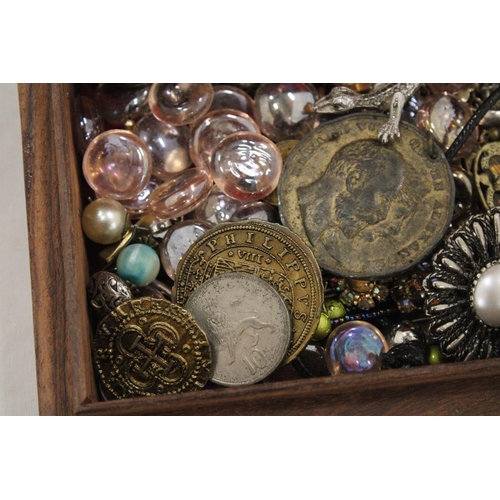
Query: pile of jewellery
{"type": "Point", "coordinates": [259, 232]}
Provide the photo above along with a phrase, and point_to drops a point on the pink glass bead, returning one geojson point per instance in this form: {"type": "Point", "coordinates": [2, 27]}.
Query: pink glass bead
{"type": "Point", "coordinates": [117, 165]}
{"type": "Point", "coordinates": [280, 110]}
{"type": "Point", "coordinates": [208, 133]}
{"type": "Point", "coordinates": [89, 123]}
{"type": "Point", "coordinates": [168, 145]}
{"type": "Point", "coordinates": [177, 240]}
{"type": "Point", "coordinates": [120, 103]}
{"type": "Point", "coordinates": [180, 103]}
{"type": "Point", "coordinates": [138, 206]}
{"type": "Point", "coordinates": [444, 117]}
{"type": "Point", "coordinates": [218, 207]}
{"type": "Point", "coordinates": [229, 97]}
{"type": "Point", "coordinates": [247, 166]}
{"type": "Point", "coordinates": [181, 194]}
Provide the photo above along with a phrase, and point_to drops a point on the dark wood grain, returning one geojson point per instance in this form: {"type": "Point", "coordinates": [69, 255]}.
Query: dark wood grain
{"type": "Point", "coordinates": [59, 271]}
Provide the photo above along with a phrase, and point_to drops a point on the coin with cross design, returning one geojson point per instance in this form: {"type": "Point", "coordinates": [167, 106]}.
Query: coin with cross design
{"type": "Point", "coordinates": [149, 347]}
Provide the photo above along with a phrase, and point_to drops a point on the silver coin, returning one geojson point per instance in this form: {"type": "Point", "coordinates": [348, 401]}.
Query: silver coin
{"type": "Point", "coordinates": [247, 324]}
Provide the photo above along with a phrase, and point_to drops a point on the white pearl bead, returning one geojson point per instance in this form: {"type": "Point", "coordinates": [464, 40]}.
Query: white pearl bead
{"type": "Point", "coordinates": [486, 296]}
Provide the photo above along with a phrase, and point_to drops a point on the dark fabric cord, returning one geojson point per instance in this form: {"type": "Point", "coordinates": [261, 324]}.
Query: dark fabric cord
{"type": "Point", "coordinates": [469, 127]}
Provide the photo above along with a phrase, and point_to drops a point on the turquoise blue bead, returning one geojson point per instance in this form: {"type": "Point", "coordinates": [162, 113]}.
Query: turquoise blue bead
{"type": "Point", "coordinates": [138, 263]}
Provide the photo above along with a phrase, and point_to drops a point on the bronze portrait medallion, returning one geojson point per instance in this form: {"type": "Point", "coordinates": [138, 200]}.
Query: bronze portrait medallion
{"type": "Point", "coordinates": [366, 209]}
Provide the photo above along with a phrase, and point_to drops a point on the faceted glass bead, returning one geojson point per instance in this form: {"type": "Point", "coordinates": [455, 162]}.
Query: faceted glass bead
{"type": "Point", "coordinates": [355, 347]}
{"type": "Point", "coordinates": [117, 164]}
{"type": "Point", "coordinates": [218, 207]}
{"type": "Point", "coordinates": [138, 263]}
{"type": "Point", "coordinates": [280, 110]}
{"type": "Point", "coordinates": [229, 97]}
{"type": "Point", "coordinates": [138, 206]}
{"type": "Point", "coordinates": [210, 131]}
{"type": "Point", "coordinates": [247, 166]}
{"type": "Point", "coordinates": [89, 122]}
{"type": "Point", "coordinates": [444, 117]}
{"type": "Point", "coordinates": [181, 194]}
{"type": "Point", "coordinates": [449, 88]}
{"type": "Point", "coordinates": [168, 145]}
{"type": "Point", "coordinates": [405, 332]}
{"type": "Point", "coordinates": [120, 103]}
{"type": "Point", "coordinates": [177, 240]}
{"type": "Point", "coordinates": [257, 210]}
{"type": "Point", "coordinates": [180, 103]}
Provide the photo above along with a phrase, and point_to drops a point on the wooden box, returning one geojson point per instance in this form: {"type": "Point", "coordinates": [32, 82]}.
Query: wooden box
{"type": "Point", "coordinates": [59, 272]}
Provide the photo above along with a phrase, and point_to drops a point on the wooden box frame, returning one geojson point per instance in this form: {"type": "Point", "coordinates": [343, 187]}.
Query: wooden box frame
{"type": "Point", "coordinates": [59, 273]}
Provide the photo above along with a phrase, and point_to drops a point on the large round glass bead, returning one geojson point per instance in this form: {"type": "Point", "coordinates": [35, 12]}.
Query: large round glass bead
{"type": "Point", "coordinates": [104, 221]}
{"type": "Point", "coordinates": [486, 296]}
{"type": "Point", "coordinates": [89, 122]}
{"type": "Point", "coordinates": [120, 103]}
{"type": "Point", "coordinates": [229, 97]}
{"type": "Point", "coordinates": [280, 110]}
{"type": "Point", "coordinates": [355, 347]}
{"type": "Point", "coordinates": [168, 145]}
{"type": "Point", "coordinates": [138, 263]}
{"type": "Point", "coordinates": [181, 194]}
{"type": "Point", "coordinates": [218, 207]}
{"type": "Point", "coordinates": [117, 164]}
{"type": "Point", "coordinates": [444, 116]}
{"type": "Point", "coordinates": [212, 129]}
{"type": "Point", "coordinates": [180, 103]}
{"type": "Point", "coordinates": [177, 240]}
{"type": "Point", "coordinates": [247, 166]}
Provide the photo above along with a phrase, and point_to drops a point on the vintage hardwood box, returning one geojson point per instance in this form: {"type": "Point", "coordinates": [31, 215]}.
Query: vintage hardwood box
{"type": "Point", "coordinates": [60, 270]}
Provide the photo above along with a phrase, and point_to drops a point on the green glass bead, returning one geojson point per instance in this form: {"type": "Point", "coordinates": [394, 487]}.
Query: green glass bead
{"type": "Point", "coordinates": [138, 263]}
{"type": "Point", "coordinates": [324, 327]}
{"type": "Point", "coordinates": [435, 356]}
{"type": "Point", "coordinates": [335, 309]}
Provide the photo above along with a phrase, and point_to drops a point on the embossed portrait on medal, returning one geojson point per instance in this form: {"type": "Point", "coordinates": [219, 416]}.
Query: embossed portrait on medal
{"type": "Point", "coordinates": [366, 209]}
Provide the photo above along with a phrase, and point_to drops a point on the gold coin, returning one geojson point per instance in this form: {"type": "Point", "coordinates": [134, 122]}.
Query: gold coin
{"type": "Point", "coordinates": [149, 347]}
{"type": "Point", "coordinates": [268, 251]}
{"type": "Point", "coordinates": [366, 209]}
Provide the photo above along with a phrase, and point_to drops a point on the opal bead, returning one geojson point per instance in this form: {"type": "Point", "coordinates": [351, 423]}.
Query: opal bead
{"type": "Point", "coordinates": [229, 97]}
{"type": "Point", "coordinates": [117, 164]}
{"type": "Point", "coordinates": [444, 116]}
{"type": "Point", "coordinates": [257, 210]}
{"type": "Point", "coordinates": [177, 240]}
{"type": "Point", "coordinates": [120, 103]}
{"type": "Point", "coordinates": [180, 103]}
{"type": "Point", "coordinates": [181, 194]}
{"type": "Point", "coordinates": [355, 347]}
{"type": "Point", "coordinates": [247, 166]}
{"type": "Point", "coordinates": [89, 122]}
{"type": "Point", "coordinates": [104, 221]}
{"type": "Point", "coordinates": [280, 110]}
{"type": "Point", "coordinates": [212, 129]}
{"type": "Point", "coordinates": [218, 207]}
{"type": "Point", "coordinates": [138, 263]}
{"type": "Point", "coordinates": [168, 145]}
{"type": "Point", "coordinates": [486, 296]}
